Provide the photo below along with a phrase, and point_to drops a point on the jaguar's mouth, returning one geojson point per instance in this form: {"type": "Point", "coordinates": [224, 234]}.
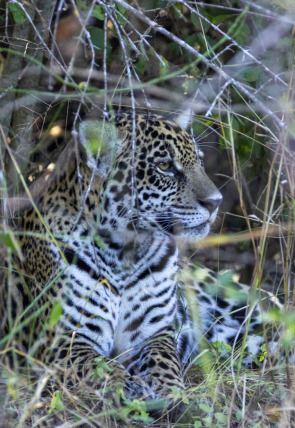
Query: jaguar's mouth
{"type": "Point", "coordinates": [177, 227]}
{"type": "Point", "coordinates": [198, 227]}
{"type": "Point", "coordinates": [200, 231]}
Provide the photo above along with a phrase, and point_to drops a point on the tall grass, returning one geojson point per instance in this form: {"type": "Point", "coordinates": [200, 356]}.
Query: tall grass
{"type": "Point", "coordinates": [229, 67]}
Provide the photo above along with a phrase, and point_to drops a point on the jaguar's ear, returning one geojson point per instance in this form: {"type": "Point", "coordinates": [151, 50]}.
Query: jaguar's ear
{"type": "Point", "coordinates": [101, 141]}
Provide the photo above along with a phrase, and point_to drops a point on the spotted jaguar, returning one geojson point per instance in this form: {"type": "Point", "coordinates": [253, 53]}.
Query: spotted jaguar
{"type": "Point", "coordinates": [99, 247]}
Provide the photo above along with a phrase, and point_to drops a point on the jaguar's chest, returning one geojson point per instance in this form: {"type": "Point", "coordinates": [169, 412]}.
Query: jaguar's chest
{"type": "Point", "coordinates": [117, 302]}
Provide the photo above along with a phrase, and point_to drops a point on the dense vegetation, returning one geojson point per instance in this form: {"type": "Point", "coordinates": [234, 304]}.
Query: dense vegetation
{"type": "Point", "coordinates": [229, 65]}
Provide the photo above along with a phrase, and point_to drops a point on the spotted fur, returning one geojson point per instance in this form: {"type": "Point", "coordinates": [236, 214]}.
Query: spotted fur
{"type": "Point", "coordinates": [114, 204]}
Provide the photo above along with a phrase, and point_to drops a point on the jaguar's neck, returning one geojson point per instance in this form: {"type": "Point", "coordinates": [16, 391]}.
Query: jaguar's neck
{"type": "Point", "coordinates": [128, 253]}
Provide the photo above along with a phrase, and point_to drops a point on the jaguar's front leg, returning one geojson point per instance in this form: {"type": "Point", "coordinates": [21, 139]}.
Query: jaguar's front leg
{"type": "Point", "coordinates": [159, 365]}
{"type": "Point", "coordinates": [83, 364]}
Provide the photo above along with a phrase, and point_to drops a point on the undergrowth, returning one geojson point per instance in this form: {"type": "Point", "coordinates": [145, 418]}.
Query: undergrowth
{"type": "Point", "coordinates": [229, 67]}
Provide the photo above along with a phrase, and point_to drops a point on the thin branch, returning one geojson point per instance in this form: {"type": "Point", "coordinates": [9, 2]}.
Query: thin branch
{"type": "Point", "coordinates": [202, 58]}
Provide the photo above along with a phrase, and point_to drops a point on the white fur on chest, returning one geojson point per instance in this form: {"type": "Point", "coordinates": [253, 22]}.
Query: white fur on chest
{"type": "Point", "coordinates": [144, 302]}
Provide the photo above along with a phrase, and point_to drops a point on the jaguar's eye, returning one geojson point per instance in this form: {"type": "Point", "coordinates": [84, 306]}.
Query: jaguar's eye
{"type": "Point", "coordinates": [165, 165]}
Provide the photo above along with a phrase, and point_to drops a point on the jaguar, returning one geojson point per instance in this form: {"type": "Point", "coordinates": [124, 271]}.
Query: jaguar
{"type": "Point", "coordinates": [99, 247]}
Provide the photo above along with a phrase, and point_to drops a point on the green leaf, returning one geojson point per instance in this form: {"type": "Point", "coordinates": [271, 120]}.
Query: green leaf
{"type": "Point", "coordinates": [221, 347]}
{"type": "Point", "coordinates": [143, 417]}
{"type": "Point", "coordinates": [207, 421]}
{"type": "Point", "coordinates": [199, 23]}
{"type": "Point", "coordinates": [250, 74]}
{"type": "Point", "coordinates": [97, 37]}
{"type": "Point", "coordinates": [82, 5]}
{"type": "Point", "coordinates": [55, 314]}
{"type": "Point", "coordinates": [56, 402]}
{"type": "Point", "coordinates": [221, 417]}
{"type": "Point", "coordinates": [191, 39]}
{"type": "Point", "coordinates": [18, 14]}
{"type": "Point", "coordinates": [197, 424]}
{"type": "Point", "coordinates": [272, 315]}
{"type": "Point", "coordinates": [11, 383]}
{"type": "Point", "coordinates": [122, 15]}
{"type": "Point", "coordinates": [242, 35]}
{"type": "Point", "coordinates": [101, 368]}
{"type": "Point", "coordinates": [221, 18]}
{"type": "Point", "coordinates": [239, 416]}
{"type": "Point", "coordinates": [98, 12]}
{"type": "Point", "coordinates": [99, 242]}
{"type": "Point", "coordinates": [164, 69]}
{"type": "Point", "coordinates": [205, 407]}
{"type": "Point", "coordinates": [185, 399]}
{"type": "Point", "coordinates": [140, 66]}
{"type": "Point", "coordinates": [8, 240]}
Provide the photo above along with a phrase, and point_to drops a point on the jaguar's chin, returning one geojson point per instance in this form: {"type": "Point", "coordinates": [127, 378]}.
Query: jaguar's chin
{"type": "Point", "coordinates": [173, 226]}
{"type": "Point", "coordinates": [195, 233]}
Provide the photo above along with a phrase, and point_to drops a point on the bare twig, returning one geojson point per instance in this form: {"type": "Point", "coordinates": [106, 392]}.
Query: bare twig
{"type": "Point", "coordinates": [203, 59]}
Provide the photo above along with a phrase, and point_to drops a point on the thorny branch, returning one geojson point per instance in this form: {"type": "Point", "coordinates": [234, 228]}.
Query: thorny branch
{"type": "Point", "coordinates": [139, 14]}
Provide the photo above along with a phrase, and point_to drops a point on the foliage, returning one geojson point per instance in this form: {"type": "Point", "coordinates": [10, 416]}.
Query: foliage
{"type": "Point", "coordinates": [232, 65]}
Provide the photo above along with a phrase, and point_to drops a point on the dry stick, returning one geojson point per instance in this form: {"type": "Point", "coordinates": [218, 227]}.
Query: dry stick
{"type": "Point", "coordinates": [268, 12]}
{"type": "Point", "coordinates": [265, 13]}
{"type": "Point", "coordinates": [12, 72]}
{"type": "Point", "coordinates": [234, 43]}
{"type": "Point", "coordinates": [40, 387]}
{"type": "Point", "coordinates": [54, 45]}
{"type": "Point", "coordinates": [104, 63]}
{"type": "Point", "coordinates": [82, 100]}
{"type": "Point", "coordinates": [23, 117]}
{"type": "Point", "coordinates": [198, 55]}
{"type": "Point", "coordinates": [42, 4]}
{"type": "Point", "coordinates": [271, 35]}
{"type": "Point", "coordinates": [132, 98]}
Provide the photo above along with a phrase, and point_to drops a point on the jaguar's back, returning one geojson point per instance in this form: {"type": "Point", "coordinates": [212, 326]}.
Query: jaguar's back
{"type": "Point", "coordinates": [102, 243]}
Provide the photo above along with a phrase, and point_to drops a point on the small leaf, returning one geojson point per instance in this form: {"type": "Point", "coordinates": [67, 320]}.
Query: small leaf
{"type": "Point", "coordinates": [18, 14]}
{"type": "Point", "coordinates": [221, 18]}
{"type": "Point", "coordinates": [221, 417]}
{"type": "Point", "coordinates": [56, 402]}
{"type": "Point", "coordinates": [242, 35]}
{"type": "Point", "coordinates": [82, 85]}
{"type": "Point", "coordinates": [207, 421]}
{"type": "Point", "coordinates": [205, 407]}
{"type": "Point", "coordinates": [122, 15]}
{"type": "Point", "coordinates": [239, 416]}
{"type": "Point", "coordinates": [250, 74]}
{"type": "Point", "coordinates": [261, 358]}
{"type": "Point", "coordinates": [55, 314]}
{"type": "Point", "coordinates": [164, 69]}
{"type": "Point", "coordinates": [143, 417]}
{"type": "Point", "coordinates": [185, 400]}
{"type": "Point", "coordinates": [10, 385]}
{"type": "Point", "coordinates": [82, 5]}
{"type": "Point", "coordinates": [199, 23]}
{"type": "Point", "coordinates": [101, 368]}
{"type": "Point", "coordinates": [7, 239]}
{"type": "Point", "coordinates": [99, 242]}
{"type": "Point", "coordinates": [197, 424]}
{"type": "Point", "coordinates": [141, 65]}
{"type": "Point", "coordinates": [98, 12]}
{"type": "Point", "coordinates": [97, 37]}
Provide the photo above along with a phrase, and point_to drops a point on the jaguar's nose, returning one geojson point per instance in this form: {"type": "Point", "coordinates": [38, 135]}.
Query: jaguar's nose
{"type": "Point", "coordinates": [212, 202]}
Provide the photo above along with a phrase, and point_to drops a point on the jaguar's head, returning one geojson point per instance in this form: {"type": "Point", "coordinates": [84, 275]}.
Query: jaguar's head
{"type": "Point", "coordinates": [153, 177]}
